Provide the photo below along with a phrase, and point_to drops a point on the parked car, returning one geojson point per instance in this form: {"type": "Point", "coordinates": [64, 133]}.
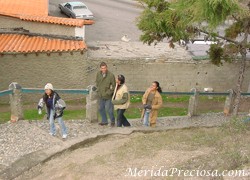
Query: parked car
{"type": "Point", "coordinates": [76, 10]}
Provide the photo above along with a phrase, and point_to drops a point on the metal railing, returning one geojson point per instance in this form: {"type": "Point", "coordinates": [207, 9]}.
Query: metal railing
{"type": "Point", "coordinates": [15, 92]}
{"type": "Point", "coordinates": [86, 91]}
{"type": "Point", "coordinates": [66, 91]}
{"type": "Point", "coordinates": [6, 92]}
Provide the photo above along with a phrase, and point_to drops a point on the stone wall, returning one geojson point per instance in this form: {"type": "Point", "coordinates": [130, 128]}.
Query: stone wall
{"type": "Point", "coordinates": [65, 71]}
{"type": "Point", "coordinates": [77, 72]}
{"type": "Point", "coordinates": [173, 76]}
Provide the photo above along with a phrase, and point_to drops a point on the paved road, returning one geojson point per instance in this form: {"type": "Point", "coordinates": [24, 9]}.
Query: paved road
{"type": "Point", "coordinates": [113, 19]}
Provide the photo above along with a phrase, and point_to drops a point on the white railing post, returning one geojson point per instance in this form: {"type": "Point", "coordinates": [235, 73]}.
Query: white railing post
{"type": "Point", "coordinates": [92, 105]}
{"type": "Point", "coordinates": [16, 104]}
{"type": "Point", "coordinates": [193, 103]}
{"type": "Point", "coordinates": [228, 107]}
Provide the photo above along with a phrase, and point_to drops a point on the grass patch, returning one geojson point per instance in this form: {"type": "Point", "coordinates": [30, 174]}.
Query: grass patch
{"type": "Point", "coordinates": [76, 101]}
{"type": "Point", "coordinates": [131, 113]}
{"type": "Point", "coordinates": [33, 115]}
{"type": "Point", "coordinates": [231, 144]}
{"type": "Point", "coordinates": [4, 117]}
{"type": "Point", "coordinates": [175, 98]}
{"type": "Point", "coordinates": [171, 111]}
{"type": "Point", "coordinates": [74, 114]}
{"type": "Point", "coordinates": [134, 113]}
{"type": "Point", "coordinates": [165, 98]}
{"type": "Point", "coordinates": [136, 98]}
{"type": "Point", "coordinates": [213, 99]}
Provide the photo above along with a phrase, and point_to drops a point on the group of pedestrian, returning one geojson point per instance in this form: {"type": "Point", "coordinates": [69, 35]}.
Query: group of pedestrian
{"type": "Point", "coordinates": [113, 95]}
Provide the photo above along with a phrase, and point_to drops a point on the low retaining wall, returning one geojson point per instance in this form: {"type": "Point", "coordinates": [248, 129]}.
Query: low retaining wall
{"type": "Point", "coordinates": [76, 71]}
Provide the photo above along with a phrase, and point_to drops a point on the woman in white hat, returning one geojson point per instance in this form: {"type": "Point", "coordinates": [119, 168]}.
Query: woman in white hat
{"type": "Point", "coordinates": [55, 106]}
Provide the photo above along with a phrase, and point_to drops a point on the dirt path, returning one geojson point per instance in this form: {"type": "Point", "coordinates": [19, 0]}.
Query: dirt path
{"type": "Point", "coordinates": [115, 157]}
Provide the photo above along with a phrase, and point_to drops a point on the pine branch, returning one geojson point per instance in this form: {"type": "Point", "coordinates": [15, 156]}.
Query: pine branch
{"type": "Point", "coordinates": [221, 37]}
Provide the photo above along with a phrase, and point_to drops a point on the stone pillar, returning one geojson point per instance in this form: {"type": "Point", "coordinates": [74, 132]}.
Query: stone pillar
{"type": "Point", "coordinates": [92, 105]}
{"type": "Point", "coordinates": [193, 103]}
{"type": "Point", "coordinates": [248, 90]}
{"type": "Point", "coordinates": [16, 105]}
{"type": "Point", "coordinates": [228, 107]}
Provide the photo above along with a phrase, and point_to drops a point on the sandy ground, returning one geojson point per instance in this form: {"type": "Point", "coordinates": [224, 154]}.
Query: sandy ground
{"type": "Point", "coordinates": [107, 160]}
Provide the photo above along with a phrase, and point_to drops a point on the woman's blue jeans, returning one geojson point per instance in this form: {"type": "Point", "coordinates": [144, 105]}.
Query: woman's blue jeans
{"type": "Point", "coordinates": [146, 117]}
{"type": "Point", "coordinates": [52, 124]}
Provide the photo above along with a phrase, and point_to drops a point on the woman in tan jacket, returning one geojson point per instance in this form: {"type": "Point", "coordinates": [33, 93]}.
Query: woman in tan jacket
{"type": "Point", "coordinates": [152, 101]}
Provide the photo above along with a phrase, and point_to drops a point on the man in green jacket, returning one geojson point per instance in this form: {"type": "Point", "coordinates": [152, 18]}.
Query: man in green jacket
{"type": "Point", "coordinates": [105, 83]}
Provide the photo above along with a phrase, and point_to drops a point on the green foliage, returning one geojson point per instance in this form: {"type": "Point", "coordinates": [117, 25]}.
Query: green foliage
{"type": "Point", "coordinates": [161, 19]}
{"type": "Point", "coordinates": [215, 54]}
{"type": "Point", "coordinates": [158, 21]}
{"type": "Point", "coordinates": [234, 30]}
{"type": "Point", "coordinates": [184, 19]}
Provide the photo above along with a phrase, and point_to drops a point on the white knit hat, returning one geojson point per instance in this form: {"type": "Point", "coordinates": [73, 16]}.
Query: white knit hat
{"type": "Point", "coordinates": [48, 86]}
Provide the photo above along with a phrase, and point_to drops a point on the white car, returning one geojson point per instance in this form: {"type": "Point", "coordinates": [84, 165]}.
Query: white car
{"type": "Point", "coordinates": [76, 10]}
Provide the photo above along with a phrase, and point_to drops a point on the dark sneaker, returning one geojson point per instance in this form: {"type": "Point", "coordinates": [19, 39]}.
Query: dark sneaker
{"type": "Point", "coordinates": [103, 124]}
{"type": "Point", "coordinates": [112, 124]}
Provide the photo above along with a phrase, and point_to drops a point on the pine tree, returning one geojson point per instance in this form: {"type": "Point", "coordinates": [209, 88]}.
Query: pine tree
{"type": "Point", "coordinates": [185, 19]}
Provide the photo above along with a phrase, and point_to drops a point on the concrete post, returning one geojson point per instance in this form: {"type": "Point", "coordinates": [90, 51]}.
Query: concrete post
{"type": "Point", "coordinates": [92, 105]}
{"type": "Point", "coordinates": [193, 103]}
{"type": "Point", "coordinates": [248, 90]}
{"type": "Point", "coordinates": [228, 107]}
{"type": "Point", "coordinates": [16, 105]}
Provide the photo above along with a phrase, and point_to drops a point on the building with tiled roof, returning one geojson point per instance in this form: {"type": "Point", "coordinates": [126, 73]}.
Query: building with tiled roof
{"type": "Point", "coordinates": [32, 16]}
{"type": "Point", "coordinates": [18, 43]}
{"type": "Point", "coordinates": [36, 48]}
{"type": "Point", "coordinates": [36, 10]}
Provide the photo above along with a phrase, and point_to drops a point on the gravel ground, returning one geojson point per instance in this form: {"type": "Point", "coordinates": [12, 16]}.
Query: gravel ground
{"type": "Point", "coordinates": [24, 137]}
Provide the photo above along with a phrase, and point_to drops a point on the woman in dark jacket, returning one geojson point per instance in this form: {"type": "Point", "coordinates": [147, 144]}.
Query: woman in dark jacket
{"type": "Point", "coordinates": [55, 106]}
{"type": "Point", "coordinates": [121, 101]}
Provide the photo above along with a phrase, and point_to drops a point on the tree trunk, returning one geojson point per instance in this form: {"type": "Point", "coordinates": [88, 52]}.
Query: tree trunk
{"type": "Point", "coordinates": [239, 85]}
{"type": "Point", "coordinates": [243, 52]}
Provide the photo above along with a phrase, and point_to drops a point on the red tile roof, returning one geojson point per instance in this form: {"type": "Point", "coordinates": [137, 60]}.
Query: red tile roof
{"type": "Point", "coordinates": [36, 10]}
{"type": "Point", "coordinates": [21, 7]}
{"type": "Point", "coordinates": [27, 44]}
{"type": "Point", "coordinates": [57, 20]}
